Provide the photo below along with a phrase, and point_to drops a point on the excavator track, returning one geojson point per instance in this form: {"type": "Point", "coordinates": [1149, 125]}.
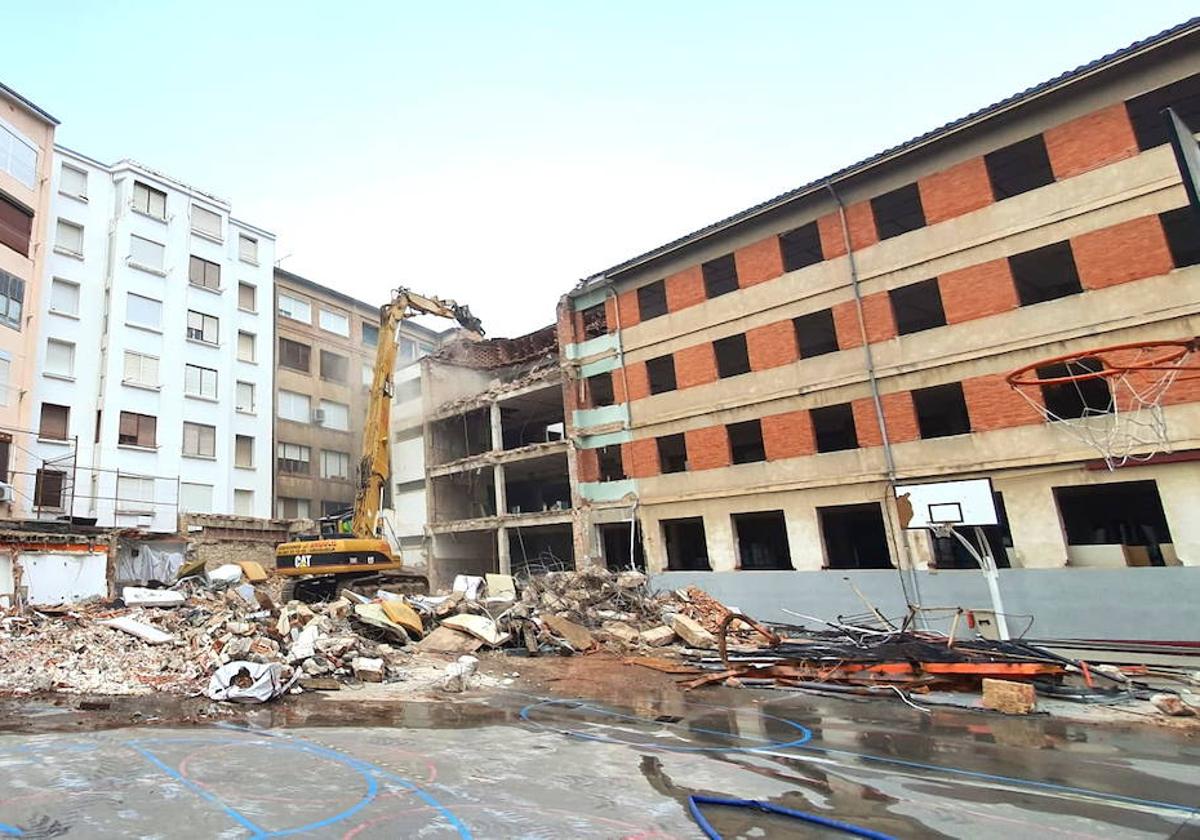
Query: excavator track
{"type": "Point", "coordinates": [315, 588]}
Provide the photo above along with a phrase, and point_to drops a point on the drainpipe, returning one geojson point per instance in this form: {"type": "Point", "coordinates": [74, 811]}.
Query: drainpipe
{"type": "Point", "coordinates": [869, 360]}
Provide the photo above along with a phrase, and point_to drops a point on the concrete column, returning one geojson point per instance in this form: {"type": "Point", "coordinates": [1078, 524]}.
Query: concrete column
{"type": "Point", "coordinates": [804, 538]}
{"type": "Point", "coordinates": [722, 542]}
{"type": "Point", "coordinates": [497, 428]}
{"type": "Point", "coordinates": [1038, 538]}
{"type": "Point", "coordinates": [501, 495]}
{"type": "Point", "coordinates": [1179, 492]}
{"type": "Point", "coordinates": [502, 557]}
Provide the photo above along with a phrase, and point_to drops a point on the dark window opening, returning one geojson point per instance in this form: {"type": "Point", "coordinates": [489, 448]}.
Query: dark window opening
{"type": "Point", "coordinates": [917, 307]}
{"type": "Point", "coordinates": [335, 508]}
{"type": "Point", "coordinates": [294, 355]}
{"type": "Point", "coordinates": [661, 373]}
{"type": "Point", "coordinates": [898, 211]}
{"type": "Point", "coordinates": [732, 357]}
{"type": "Point", "coordinates": [746, 442]}
{"type": "Point", "coordinates": [461, 436]}
{"type": "Point", "coordinates": [611, 466]}
{"type": "Point", "coordinates": [600, 389]}
{"type": "Point", "coordinates": [1019, 168]}
{"type": "Point", "coordinates": [595, 322]}
{"type": "Point", "coordinates": [720, 276]}
{"type": "Point", "coordinates": [137, 430]}
{"type": "Point", "coordinates": [370, 333]}
{"type": "Point", "coordinates": [5, 454]}
{"type": "Point", "coordinates": [801, 247]}
{"type": "Point", "coordinates": [334, 367]}
{"type": "Point", "coordinates": [615, 542]}
{"type": "Point", "coordinates": [1045, 273]}
{"type": "Point", "coordinates": [816, 334]}
{"type": "Point", "coordinates": [834, 428]}
{"type": "Point", "coordinates": [48, 488]}
{"type": "Point", "coordinates": [652, 300]}
{"type": "Point", "coordinates": [855, 537]}
{"type": "Point", "coordinates": [949, 553]}
{"type": "Point", "coordinates": [1127, 513]}
{"type": "Point", "coordinates": [1081, 398]}
{"type": "Point", "coordinates": [1182, 227]}
{"type": "Point", "coordinates": [16, 226]}
{"type": "Point", "coordinates": [687, 549]}
{"type": "Point", "coordinates": [54, 421]}
{"type": "Point", "coordinates": [672, 454]}
{"type": "Point", "coordinates": [941, 411]}
{"type": "Point", "coordinates": [762, 541]}
{"type": "Point", "coordinates": [1145, 111]}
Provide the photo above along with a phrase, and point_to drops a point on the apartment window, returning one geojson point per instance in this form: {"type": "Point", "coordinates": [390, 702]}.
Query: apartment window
{"type": "Point", "coordinates": [424, 349]}
{"type": "Point", "coordinates": [5, 375]}
{"type": "Point", "coordinates": [661, 373]}
{"type": "Point", "coordinates": [243, 502]}
{"type": "Point", "coordinates": [206, 222]}
{"type": "Point", "coordinates": [1045, 273]}
{"type": "Point", "coordinates": [150, 201]}
{"type": "Point", "coordinates": [247, 351]}
{"type": "Point", "coordinates": [334, 367]}
{"type": "Point", "coordinates": [1125, 513]}
{"type": "Point", "coordinates": [1145, 111]}
{"type": "Point", "coordinates": [12, 300]}
{"type": "Point", "coordinates": [294, 407]}
{"type": "Point", "coordinates": [199, 441]}
{"type": "Point", "coordinates": [762, 541]}
{"type": "Point", "coordinates": [801, 247]}
{"type": "Point", "coordinates": [941, 411]}
{"type": "Point", "coordinates": [368, 376]}
{"type": "Point", "coordinates": [337, 415]}
{"type": "Point", "coordinates": [137, 430]}
{"type": "Point", "coordinates": [146, 253]}
{"type": "Point", "coordinates": [612, 468]}
{"type": "Point", "coordinates": [833, 427]}
{"type": "Point", "coordinates": [245, 397]}
{"type": "Point", "coordinates": [135, 494]}
{"type": "Point", "coordinates": [195, 498]}
{"type": "Point", "coordinates": [370, 333]}
{"type": "Point", "coordinates": [720, 276]}
{"type": "Point", "coordinates": [48, 488]}
{"type": "Point", "coordinates": [746, 442]}
{"type": "Point", "coordinates": [140, 369]}
{"type": "Point", "coordinates": [652, 300]}
{"type": "Point", "coordinates": [335, 322]}
{"type": "Point", "coordinates": [732, 357]}
{"type": "Point", "coordinates": [898, 211]}
{"type": "Point", "coordinates": [672, 454]}
{"type": "Point", "coordinates": [54, 422]}
{"type": "Point", "coordinates": [16, 226]}
{"type": "Point", "coordinates": [143, 311]}
{"type": "Point", "coordinates": [292, 458]}
{"type": "Point", "coordinates": [247, 249]}
{"type": "Point", "coordinates": [204, 273]}
{"type": "Point", "coordinates": [917, 307]}
{"type": "Point", "coordinates": [687, 549]}
{"type": "Point", "coordinates": [1081, 398]}
{"type": "Point", "coordinates": [201, 327]}
{"type": "Point", "coordinates": [1019, 168]}
{"type": "Point", "coordinates": [855, 536]}
{"type": "Point", "coordinates": [68, 238]}
{"type": "Point", "coordinates": [600, 390]}
{"type": "Point", "coordinates": [295, 308]}
{"type": "Point", "coordinates": [407, 350]}
{"type": "Point", "coordinates": [18, 157]}
{"type": "Point", "coordinates": [816, 334]}
{"type": "Point", "coordinates": [1182, 227]}
{"type": "Point", "coordinates": [335, 464]}
{"type": "Point", "coordinates": [294, 355]}
{"type": "Point", "coordinates": [72, 181]}
{"type": "Point", "coordinates": [199, 382]}
{"type": "Point", "coordinates": [243, 451]}
{"type": "Point", "coordinates": [60, 358]}
{"type": "Point", "coordinates": [291, 508]}
{"type": "Point", "coordinates": [64, 297]}
{"type": "Point", "coordinates": [247, 297]}
{"type": "Point", "coordinates": [595, 321]}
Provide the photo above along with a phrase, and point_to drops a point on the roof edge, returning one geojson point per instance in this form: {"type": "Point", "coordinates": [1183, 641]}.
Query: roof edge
{"type": "Point", "coordinates": [28, 105]}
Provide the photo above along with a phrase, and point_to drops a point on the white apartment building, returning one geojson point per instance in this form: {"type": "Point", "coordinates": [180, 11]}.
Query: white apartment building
{"type": "Point", "coordinates": [157, 349]}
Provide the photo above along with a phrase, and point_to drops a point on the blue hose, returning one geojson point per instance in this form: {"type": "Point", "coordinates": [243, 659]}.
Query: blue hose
{"type": "Point", "coordinates": [694, 803]}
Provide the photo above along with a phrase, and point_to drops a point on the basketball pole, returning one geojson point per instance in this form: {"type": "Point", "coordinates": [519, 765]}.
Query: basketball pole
{"type": "Point", "coordinates": [991, 574]}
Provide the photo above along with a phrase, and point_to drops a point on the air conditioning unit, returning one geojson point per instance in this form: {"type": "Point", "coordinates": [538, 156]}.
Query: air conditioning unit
{"type": "Point", "coordinates": [318, 416]}
{"type": "Point", "coordinates": [6, 492]}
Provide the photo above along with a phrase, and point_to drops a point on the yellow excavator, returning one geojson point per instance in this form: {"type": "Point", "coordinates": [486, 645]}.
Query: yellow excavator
{"type": "Point", "coordinates": [351, 547]}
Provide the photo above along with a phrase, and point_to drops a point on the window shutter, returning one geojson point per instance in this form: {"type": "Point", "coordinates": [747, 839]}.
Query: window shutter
{"type": "Point", "coordinates": [16, 226]}
{"type": "Point", "coordinates": [246, 297]}
{"type": "Point", "coordinates": [73, 181]}
{"type": "Point", "coordinates": [206, 222]}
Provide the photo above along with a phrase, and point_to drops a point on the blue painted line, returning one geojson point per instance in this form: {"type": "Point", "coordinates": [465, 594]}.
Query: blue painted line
{"type": "Point", "coordinates": [232, 813]}
{"type": "Point", "coordinates": [11, 830]}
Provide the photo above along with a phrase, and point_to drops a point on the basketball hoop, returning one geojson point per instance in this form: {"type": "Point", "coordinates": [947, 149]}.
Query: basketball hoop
{"type": "Point", "coordinates": [1110, 398]}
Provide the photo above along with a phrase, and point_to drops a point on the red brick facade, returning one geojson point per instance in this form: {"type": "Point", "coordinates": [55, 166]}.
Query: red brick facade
{"type": "Point", "coordinates": [708, 448]}
{"type": "Point", "coordinates": [1091, 141]}
{"type": "Point", "coordinates": [1121, 253]}
{"type": "Point", "coordinates": [640, 457]}
{"type": "Point", "coordinates": [877, 313]}
{"type": "Point", "coordinates": [639, 382]}
{"type": "Point", "coordinates": [684, 289]}
{"type": "Point", "coordinates": [992, 404]}
{"type": "Point", "coordinates": [587, 462]}
{"type": "Point", "coordinates": [695, 365]}
{"type": "Point", "coordinates": [900, 416]}
{"type": "Point", "coordinates": [955, 191]}
{"type": "Point", "coordinates": [758, 262]}
{"type": "Point", "coordinates": [977, 291]}
{"type": "Point", "coordinates": [833, 242]}
{"type": "Point", "coordinates": [772, 345]}
{"type": "Point", "coordinates": [865, 424]}
{"type": "Point", "coordinates": [788, 435]}
{"type": "Point", "coordinates": [861, 222]}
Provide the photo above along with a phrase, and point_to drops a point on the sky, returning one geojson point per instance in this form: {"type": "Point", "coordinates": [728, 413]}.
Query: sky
{"type": "Point", "coordinates": [497, 153]}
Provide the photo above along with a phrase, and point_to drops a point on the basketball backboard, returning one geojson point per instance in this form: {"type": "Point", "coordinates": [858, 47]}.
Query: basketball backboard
{"type": "Point", "coordinates": [960, 503]}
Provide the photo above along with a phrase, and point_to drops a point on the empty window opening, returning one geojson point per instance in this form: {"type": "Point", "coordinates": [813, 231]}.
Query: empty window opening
{"type": "Point", "coordinates": [1124, 513]}
{"type": "Point", "coordinates": [463, 495]}
{"type": "Point", "coordinates": [898, 211]}
{"type": "Point", "coordinates": [834, 428]}
{"type": "Point", "coordinates": [595, 322]}
{"type": "Point", "coordinates": [48, 488]}
{"type": "Point", "coordinates": [816, 334]}
{"type": "Point", "coordinates": [652, 300]}
{"type": "Point", "coordinates": [334, 366]}
{"type": "Point", "coordinates": [687, 548]}
{"type": "Point", "coordinates": [720, 276]}
{"type": "Point", "coordinates": [1019, 168]}
{"type": "Point", "coordinates": [537, 485]}
{"type": "Point", "coordinates": [941, 410]}
{"type": "Point", "coordinates": [661, 373]}
{"type": "Point", "coordinates": [746, 442]}
{"type": "Point", "coordinates": [1081, 398]}
{"type": "Point", "coordinates": [294, 355]}
{"type": "Point", "coordinates": [600, 389]}
{"type": "Point", "coordinates": [1045, 273]}
{"type": "Point", "coordinates": [1145, 111]}
{"type": "Point", "coordinates": [460, 436]}
{"type": "Point", "coordinates": [612, 468]}
{"type": "Point", "coordinates": [615, 542]}
{"type": "Point", "coordinates": [732, 356]}
{"type": "Point", "coordinates": [855, 537]}
{"type": "Point", "coordinates": [949, 553]}
{"type": "Point", "coordinates": [672, 454]}
{"type": "Point", "coordinates": [1182, 227]}
{"type": "Point", "coordinates": [532, 418]}
{"type": "Point", "coordinates": [137, 430]}
{"type": "Point", "coordinates": [535, 549]}
{"type": "Point", "coordinates": [762, 541]}
{"type": "Point", "coordinates": [917, 307]}
{"type": "Point", "coordinates": [54, 422]}
{"type": "Point", "coordinates": [801, 247]}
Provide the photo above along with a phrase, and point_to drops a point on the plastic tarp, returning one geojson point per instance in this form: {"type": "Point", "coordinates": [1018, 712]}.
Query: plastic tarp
{"type": "Point", "coordinates": [143, 562]}
{"type": "Point", "coordinates": [248, 682]}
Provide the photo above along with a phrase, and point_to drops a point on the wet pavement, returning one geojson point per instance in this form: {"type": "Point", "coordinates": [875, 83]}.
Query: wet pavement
{"type": "Point", "coordinates": [524, 766]}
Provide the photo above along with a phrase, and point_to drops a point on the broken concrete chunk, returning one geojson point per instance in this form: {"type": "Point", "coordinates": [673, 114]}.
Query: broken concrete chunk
{"type": "Point", "coordinates": [479, 626]}
{"type": "Point", "coordinates": [254, 572]}
{"type": "Point", "coordinates": [146, 632]}
{"type": "Point", "coordinates": [138, 596]}
{"type": "Point", "coordinates": [339, 608]}
{"type": "Point", "coordinates": [501, 586]}
{"type": "Point", "coordinates": [471, 586]}
{"type": "Point", "coordinates": [1170, 704]}
{"type": "Point", "coordinates": [1012, 698]}
{"type": "Point", "coordinates": [374, 615]}
{"type": "Point", "coordinates": [367, 670]}
{"type": "Point", "coordinates": [576, 636]}
{"type": "Point", "coordinates": [658, 636]}
{"type": "Point", "coordinates": [225, 575]}
{"type": "Point", "coordinates": [320, 684]}
{"type": "Point", "coordinates": [630, 580]}
{"type": "Point", "coordinates": [621, 631]}
{"type": "Point", "coordinates": [458, 674]}
{"type": "Point", "coordinates": [405, 616]}
{"type": "Point", "coordinates": [692, 632]}
{"type": "Point", "coordinates": [448, 640]}
{"type": "Point", "coordinates": [304, 646]}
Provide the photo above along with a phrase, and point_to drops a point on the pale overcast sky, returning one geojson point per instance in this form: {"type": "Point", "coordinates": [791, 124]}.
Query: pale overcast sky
{"type": "Point", "coordinates": [498, 152]}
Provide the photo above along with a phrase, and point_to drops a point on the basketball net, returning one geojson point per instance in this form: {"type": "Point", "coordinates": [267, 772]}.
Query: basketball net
{"type": "Point", "coordinates": [1113, 395]}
